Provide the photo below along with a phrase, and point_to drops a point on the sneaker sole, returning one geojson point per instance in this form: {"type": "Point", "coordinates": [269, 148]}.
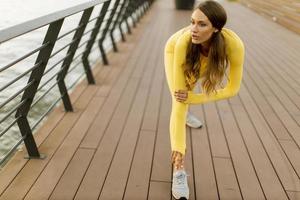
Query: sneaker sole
{"type": "Point", "coordinates": [193, 126]}
{"type": "Point", "coordinates": [179, 198]}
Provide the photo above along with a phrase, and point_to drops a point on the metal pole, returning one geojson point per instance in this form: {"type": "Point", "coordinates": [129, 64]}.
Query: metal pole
{"type": "Point", "coordinates": [68, 60]}
{"type": "Point", "coordinates": [114, 26]}
{"type": "Point", "coordinates": [100, 43]}
{"type": "Point", "coordinates": [126, 3]}
{"type": "Point", "coordinates": [92, 39]}
{"type": "Point", "coordinates": [29, 93]}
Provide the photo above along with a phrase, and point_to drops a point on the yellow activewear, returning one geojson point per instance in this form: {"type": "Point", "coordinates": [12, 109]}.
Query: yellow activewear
{"type": "Point", "coordinates": [174, 58]}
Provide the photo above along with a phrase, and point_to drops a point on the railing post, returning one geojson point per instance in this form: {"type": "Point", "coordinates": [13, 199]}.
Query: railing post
{"type": "Point", "coordinates": [92, 39]}
{"type": "Point", "coordinates": [132, 10]}
{"type": "Point", "coordinates": [140, 9]}
{"type": "Point", "coordinates": [144, 6]}
{"type": "Point", "coordinates": [114, 25]}
{"type": "Point", "coordinates": [100, 43]}
{"type": "Point", "coordinates": [123, 15]}
{"type": "Point", "coordinates": [68, 60]}
{"type": "Point", "coordinates": [126, 16]}
{"type": "Point", "coordinates": [136, 10]}
{"type": "Point", "coordinates": [29, 93]}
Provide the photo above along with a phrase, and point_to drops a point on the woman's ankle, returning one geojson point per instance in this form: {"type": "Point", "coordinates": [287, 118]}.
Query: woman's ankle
{"type": "Point", "coordinates": [177, 161]}
{"type": "Point", "coordinates": [180, 167]}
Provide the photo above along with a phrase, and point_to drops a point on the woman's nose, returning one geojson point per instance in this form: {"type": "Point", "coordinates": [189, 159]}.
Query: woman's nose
{"type": "Point", "coordinates": [194, 28]}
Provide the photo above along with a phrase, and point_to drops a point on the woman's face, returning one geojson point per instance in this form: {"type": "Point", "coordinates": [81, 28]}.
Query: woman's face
{"type": "Point", "coordinates": [201, 27]}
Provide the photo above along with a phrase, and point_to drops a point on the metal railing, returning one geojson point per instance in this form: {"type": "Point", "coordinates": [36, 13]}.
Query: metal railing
{"type": "Point", "coordinates": [113, 15]}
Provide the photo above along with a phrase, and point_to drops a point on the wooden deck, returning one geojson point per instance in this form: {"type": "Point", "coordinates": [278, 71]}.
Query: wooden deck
{"type": "Point", "coordinates": [116, 143]}
{"type": "Point", "coordinates": [284, 12]}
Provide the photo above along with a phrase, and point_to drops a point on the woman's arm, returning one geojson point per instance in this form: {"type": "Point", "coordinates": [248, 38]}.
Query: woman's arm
{"type": "Point", "coordinates": [180, 50]}
{"type": "Point", "coordinates": [236, 59]}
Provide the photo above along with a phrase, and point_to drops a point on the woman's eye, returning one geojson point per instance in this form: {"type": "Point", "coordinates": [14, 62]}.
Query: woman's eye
{"type": "Point", "coordinates": [202, 24]}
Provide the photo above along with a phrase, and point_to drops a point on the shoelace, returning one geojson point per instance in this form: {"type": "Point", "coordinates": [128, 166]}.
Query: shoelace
{"type": "Point", "coordinates": [191, 119]}
{"type": "Point", "coordinates": [180, 179]}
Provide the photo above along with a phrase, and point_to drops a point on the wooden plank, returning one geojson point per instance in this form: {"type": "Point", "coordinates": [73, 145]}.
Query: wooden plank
{"type": "Point", "coordinates": [246, 175]}
{"type": "Point", "coordinates": [279, 160]}
{"type": "Point", "coordinates": [294, 195]}
{"type": "Point", "coordinates": [293, 153]}
{"type": "Point", "coordinates": [17, 162]}
{"type": "Point", "coordinates": [92, 183]}
{"type": "Point", "coordinates": [150, 121]}
{"type": "Point", "coordinates": [159, 190]}
{"type": "Point", "coordinates": [139, 176]}
{"type": "Point", "coordinates": [95, 134]}
{"type": "Point", "coordinates": [125, 149]}
{"type": "Point", "coordinates": [267, 111]}
{"type": "Point", "coordinates": [33, 168]}
{"type": "Point", "coordinates": [287, 43]}
{"type": "Point", "coordinates": [53, 171]}
{"type": "Point", "coordinates": [189, 165]}
{"type": "Point", "coordinates": [227, 183]}
{"type": "Point", "coordinates": [152, 109]}
{"type": "Point", "coordinates": [205, 183]}
{"type": "Point", "coordinates": [288, 85]}
{"type": "Point", "coordinates": [277, 78]}
{"type": "Point", "coordinates": [245, 110]}
{"type": "Point", "coordinates": [214, 129]}
{"type": "Point", "coordinates": [70, 180]}
{"type": "Point", "coordinates": [286, 110]}
{"type": "Point", "coordinates": [274, 89]}
{"type": "Point", "coordinates": [282, 114]}
{"type": "Point", "coordinates": [116, 67]}
{"type": "Point", "coordinates": [277, 127]}
{"type": "Point", "coordinates": [276, 9]}
{"type": "Point", "coordinates": [74, 96]}
{"type": "Point", "coordinates": [161, 167]}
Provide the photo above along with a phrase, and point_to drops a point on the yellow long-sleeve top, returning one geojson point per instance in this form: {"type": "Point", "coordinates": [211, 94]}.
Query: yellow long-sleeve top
{"type": "Point", "coordinates": [178, 44]}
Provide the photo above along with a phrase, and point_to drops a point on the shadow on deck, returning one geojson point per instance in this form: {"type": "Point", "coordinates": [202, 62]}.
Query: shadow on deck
{"type": "Point", "coordinates": [116, 143]}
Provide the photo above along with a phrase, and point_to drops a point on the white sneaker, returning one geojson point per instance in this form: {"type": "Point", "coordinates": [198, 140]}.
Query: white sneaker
{"type": "Point", "coordinates": [180, 188]}
{"type": "Point", "coordinates": [193, 121]}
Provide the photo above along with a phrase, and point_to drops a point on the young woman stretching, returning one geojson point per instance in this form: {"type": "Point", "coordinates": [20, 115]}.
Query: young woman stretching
{"type": "Point", "coordinates": [203, 50]}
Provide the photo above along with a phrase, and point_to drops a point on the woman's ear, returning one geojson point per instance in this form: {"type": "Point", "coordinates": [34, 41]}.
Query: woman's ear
{"type": "Point", "coordinates": [216, 30]}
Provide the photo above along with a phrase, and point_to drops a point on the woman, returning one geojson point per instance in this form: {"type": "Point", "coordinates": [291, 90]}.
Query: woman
{"type": "Point", "coordinates": [202, 51]}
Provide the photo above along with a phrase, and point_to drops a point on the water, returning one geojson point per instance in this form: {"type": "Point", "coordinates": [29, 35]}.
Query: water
{"type": "Point", "coordinates": [14, 12]}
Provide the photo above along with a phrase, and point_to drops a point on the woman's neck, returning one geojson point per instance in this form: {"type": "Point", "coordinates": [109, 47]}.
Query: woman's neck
{"type": "Point", "coordinates": [205, 47]}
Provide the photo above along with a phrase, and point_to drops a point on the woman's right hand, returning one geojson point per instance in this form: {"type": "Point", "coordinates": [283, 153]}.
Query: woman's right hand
{"type": "Point", "coordinates": [181, 95]}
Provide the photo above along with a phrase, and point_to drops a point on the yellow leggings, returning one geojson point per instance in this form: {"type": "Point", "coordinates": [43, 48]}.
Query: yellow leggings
{"type": "Point", "coordinates": [179, 110]}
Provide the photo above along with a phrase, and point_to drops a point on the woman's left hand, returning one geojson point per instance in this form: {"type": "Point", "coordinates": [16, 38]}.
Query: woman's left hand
{"type": "Point", "coordinates": [181, 95]}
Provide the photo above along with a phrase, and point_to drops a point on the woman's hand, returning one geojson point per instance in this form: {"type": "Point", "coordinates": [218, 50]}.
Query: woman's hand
{"type": "Point", "coordinates": [181, 95]}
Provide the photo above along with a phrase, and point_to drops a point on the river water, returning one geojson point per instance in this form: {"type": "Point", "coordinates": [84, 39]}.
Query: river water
{"type": "Point", "coordinates": [14, 12]}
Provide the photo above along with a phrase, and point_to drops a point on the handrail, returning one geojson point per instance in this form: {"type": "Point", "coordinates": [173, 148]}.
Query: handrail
{"type": "Point", "coordinates": [20, 29]}
{"type": "Point", "coordinates": [119, 11]}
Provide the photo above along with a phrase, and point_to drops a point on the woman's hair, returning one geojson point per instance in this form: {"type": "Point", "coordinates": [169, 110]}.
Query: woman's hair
{"type": "Point", "coordinates": [217, 59]}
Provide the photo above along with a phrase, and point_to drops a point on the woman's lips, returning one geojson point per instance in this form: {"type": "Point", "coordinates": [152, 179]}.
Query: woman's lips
{"type": "Point", "coordinates": [195, 37]}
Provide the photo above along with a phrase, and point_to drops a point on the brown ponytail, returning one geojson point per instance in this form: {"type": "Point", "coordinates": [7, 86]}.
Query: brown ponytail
{"type": "Point", "coordinates": [217, 64]}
